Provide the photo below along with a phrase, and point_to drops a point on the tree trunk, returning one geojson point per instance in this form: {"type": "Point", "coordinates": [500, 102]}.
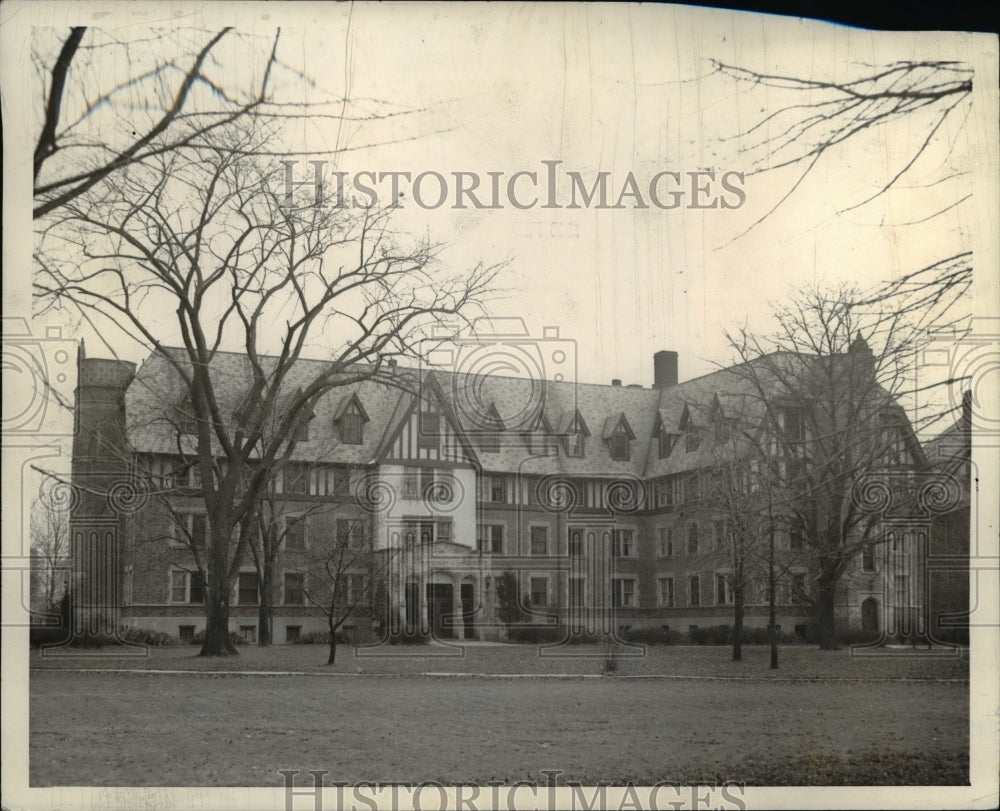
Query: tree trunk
{"type": "Point", "coordinates": [217, 639]}
{"type": "Point", "coordinates": [825, 606]}
{"type": "Point", "coordinates": [738, 625]}
{"type": "Point", "coordinates": [772, 629]}
{"type": "Point", "coordinates": [333, 643]}
{"type": "Point", "coordinates": [265, 610]}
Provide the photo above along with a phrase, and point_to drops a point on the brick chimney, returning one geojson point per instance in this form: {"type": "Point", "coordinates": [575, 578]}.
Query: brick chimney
{"type": "Point", "coordinates": [664, 369]}
{"type": "Point", "coordinates": [616, 382]}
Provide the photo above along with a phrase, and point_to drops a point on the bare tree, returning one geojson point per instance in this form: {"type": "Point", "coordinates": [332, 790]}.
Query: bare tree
{"type": "Point", "coordinates": [827, 382]}
{"type": "Point", "coordinates": [816, 116]}
{"type": "Point", "coordinates": [190, 250]}
{"type": "Point", "coordinates": [343, 576]}
{"type": "Point", "coordinates": [49, 530]}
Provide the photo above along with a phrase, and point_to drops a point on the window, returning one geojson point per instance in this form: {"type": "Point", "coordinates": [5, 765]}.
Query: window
{"type": "Point", "coordinates": [666, 592]}
{"type": "Point", "coordinates": [292, 633]}
{"type": "Point", "coordinates": [489, 442]}
{"type": "Point", "coordinates": [721, 535]}
{"type": "Point", "coordinates": [430, 428]}
{"type": "Point", "coordinates": [692, 539]}
{"type": "Point", "coordinates": [868, 559]}
{"type": "Point", "coordinates": [186, 634]}
{"type": "Point", "coordinates": [496, 490]}
{"type": "Point", "coordinates": [575, 543]}
{"type": "Point", "coordinates": [443, 526]}
{"type": "Point", "coordinates": [723, 590]}
{"type": "Point", "coordinates": [491, 539]}
{"type": "Point", "coordinates": [249, 593]}
{"type": "Point", "coordinates": [301, 431]}
{"type": "Point", "coordinates": [575, 592]}
{"type": "Point", "coordinates": [575, 446]}
{"type": "Point", "coordinates": [623, 593]}
{"type": "Point", "coordinates": [294, 589]}
{"type": "Point", "coordinates": [355, 589]}
{"type": "Point", "coordinates": [792, 424]}
{"type": "Point", "coordinates": [692, 439]}
{"type": "Point", "coordinates": [619, 446]}
{"type": "Point", "coordinates": [351, 532]}
{"type": "Point", "coordinates": [539, 591]}
{"type": "Point", "coordinates": [186, 587]}
{"type": "Point", "coordinates": [694, 591]}
{"type": "Point", "coordinates": [666, 443]}
{"type": "Point", "coordinates": [794, 540]}
{"type": "Point", "coordinates": [248, 633]}
{"type": "Point", "coordinates": [539, 540]}
{"type": "Point", "coordinates": [893, 438]}
{"type": "Point", "coordinates": [192, 529]}
{"type": "Point", "coordinates": [665, 541]}
{"type": "Point", "coordinates": [295, 479]}
{"type": "Point", "coordinates": [295, 532]}
{"type": "Point", "coordinates": [331, 480]}
{"type": "Point", "coordinates": [798, 587]}
{"type": "Point", "coordinates": [622, 545]}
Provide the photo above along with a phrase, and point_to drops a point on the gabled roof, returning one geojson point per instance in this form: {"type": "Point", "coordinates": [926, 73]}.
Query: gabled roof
{"type": "Point", "coordinates": [616, 423]}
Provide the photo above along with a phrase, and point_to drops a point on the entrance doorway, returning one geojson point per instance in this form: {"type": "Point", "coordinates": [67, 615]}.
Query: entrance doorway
{"type": "Point", "coordinates": [869, 615]}
{"type": "Point", "coordinates": [440, 609]}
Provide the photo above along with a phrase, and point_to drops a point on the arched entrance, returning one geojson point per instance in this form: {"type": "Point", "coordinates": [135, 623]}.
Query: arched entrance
{"type": "Point", "coordinates": [869, 615]}
{"type": "Point", "coordinates": [441, 609]}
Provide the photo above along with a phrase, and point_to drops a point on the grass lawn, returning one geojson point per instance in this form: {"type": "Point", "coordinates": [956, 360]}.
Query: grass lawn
{"type": "Point", "coordinates": [209, 729]}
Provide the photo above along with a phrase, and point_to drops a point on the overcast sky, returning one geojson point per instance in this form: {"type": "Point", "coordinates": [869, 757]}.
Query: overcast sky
{"type": "Point", "coordinates": [617, 89]}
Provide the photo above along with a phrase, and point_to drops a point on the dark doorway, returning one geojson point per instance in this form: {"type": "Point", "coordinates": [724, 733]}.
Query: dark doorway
{"type": "Point", "coordinates": [440, 609]}
{"type": "Point", "coordinates": [869, 615]}
{"type": "Point", "coordinates": [468, 610]}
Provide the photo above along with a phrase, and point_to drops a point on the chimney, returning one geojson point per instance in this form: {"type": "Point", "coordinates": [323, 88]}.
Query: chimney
{"type": "Point", "coordinates": [616, 382]}
{"type": "Point", "coordinates": [664, 369]}
{"type": "Point", "coordinates": [392, 365]}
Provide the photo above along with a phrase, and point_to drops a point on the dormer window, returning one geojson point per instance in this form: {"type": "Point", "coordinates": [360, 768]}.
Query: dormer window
{"type": "Point", "coordinates": [666, 443]}
{"type": "Point", "coordinates": [576, 445]}
{"type": "Point", "coordinates": [575, 433]}
{"type": "Point", "coordinates": [618, 433]}
{"type": "Point", "coordinates": [350, 419]}
{"type": "Point", "coordinates": [489, 440]}
{"type": "Point", "coordinates": [619, 446]}
{"type": "Point", "coordinates": [691, 432]}
{"type": "Point", "coordinates": [184, 417]}
{"type": "Point", "coordinates": [429, 428]}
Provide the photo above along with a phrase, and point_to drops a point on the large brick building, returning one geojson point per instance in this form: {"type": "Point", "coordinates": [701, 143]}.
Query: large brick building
{"type": "Point", "coordinates": [591, 497]}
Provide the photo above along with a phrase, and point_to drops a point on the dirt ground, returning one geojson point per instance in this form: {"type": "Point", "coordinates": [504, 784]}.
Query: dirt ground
{"type": "Point", "coordinates": [216, 730]}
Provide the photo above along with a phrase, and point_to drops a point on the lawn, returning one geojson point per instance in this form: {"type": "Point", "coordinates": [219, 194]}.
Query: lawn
{"type": "Point", "coordinates": [900, 721]}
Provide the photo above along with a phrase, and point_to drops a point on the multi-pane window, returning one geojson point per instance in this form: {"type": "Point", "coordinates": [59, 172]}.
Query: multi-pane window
{"type": "Point", "coordinates": [186, 587]}
{"type": "Point", "coordinates": [723, 590]}
{"type": "Point", "coordinates": [355, 589]}
{"type": "Point", "coordinates": [495, 489]}
{"type": "Point", "coordinates": [665, 541]}
{"type": "Point", "coordinates": [576, 592]}
{"type": "Point", "coordinates": [249, 589]}
{"type": "Point", "coordinates": [666, 592]}
{"type": "Point", "coordinates": [295, 479]}
{"type": "Point", "coordinates": [721, 530]}
{"type": "Point", "coordinates": [430, 428]}
{"type": "Point", "coordinates": [694, 590]}
{"type": "Point", "coordinates": [491, 539]}
{"type": "Point", "coordinates": [352, 425]}
{"type": "Point", "coordinates": [692, 539]}
{"type": "Point", "coordinates": [294, 588]}
{"type": "Point", "coordinates": [798, 587]}
{"type": "Point", "coordinates": [623, 592]}
{"type": "Point", "coordinates": [539, 591]}
{"type": "Point", "coordinates": [539, 540]}
{"type": "Point", "coordinates": [351, 532]}
{"type": "Point", "coordinates": [192, 529]}
{"type": "Point", "coordinates": [868, 559]}
{"type": "Point", "coordinates": [295, 532]}
{"type": "Point", "coordinates": [443, 528]}
{"type": "Point", "coordinates": [411, 482]}
{"type": "Point", "coordinates": [623, 543]}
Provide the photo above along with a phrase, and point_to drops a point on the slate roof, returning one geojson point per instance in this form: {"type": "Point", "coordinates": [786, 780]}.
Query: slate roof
{"type": "Point", "coordinates": [520, 404]}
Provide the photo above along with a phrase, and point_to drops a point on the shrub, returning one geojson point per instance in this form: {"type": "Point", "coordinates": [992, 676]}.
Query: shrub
{"type": "Point", "coordinates": [650, 636]}
{"type": "Point", "coordinates": [535, 634]}
{"type": "Point", "coordinates": [145, 636]}
{"type": "Point", "coordinates": [320, 638]}
{"type": "Point", "coordinates": [713, 635]}
{"type": "Point", "coordinates": [40, 635]}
